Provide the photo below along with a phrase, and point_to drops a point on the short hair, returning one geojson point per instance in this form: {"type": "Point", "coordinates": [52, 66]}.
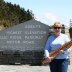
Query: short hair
{"type": "Point", "coordinates": [57, 23]}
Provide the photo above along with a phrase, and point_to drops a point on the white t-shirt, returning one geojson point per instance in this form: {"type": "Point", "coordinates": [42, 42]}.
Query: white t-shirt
{"type": "Point", "coordinates": [54, 43]}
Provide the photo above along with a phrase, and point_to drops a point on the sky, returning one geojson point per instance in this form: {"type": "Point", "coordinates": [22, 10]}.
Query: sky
{"type": "Point", "coordinates": [48, 11]}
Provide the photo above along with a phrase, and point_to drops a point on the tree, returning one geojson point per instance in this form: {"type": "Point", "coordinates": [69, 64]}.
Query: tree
{"type": "Point", "coordinates": [12, 14]}
{"type": "Point", "coordinates": [70, 32]}
{"type": "Point", "coordinates": [1, 0]}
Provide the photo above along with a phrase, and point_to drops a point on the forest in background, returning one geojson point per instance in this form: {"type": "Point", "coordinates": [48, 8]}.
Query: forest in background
{"type": "Point", "coordinates": [12, 14]}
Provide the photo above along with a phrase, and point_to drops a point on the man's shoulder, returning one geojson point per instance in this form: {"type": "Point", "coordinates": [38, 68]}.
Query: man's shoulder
{"type": "Point", "coordinates": [52, 36]}
{"type": "Point", "coordinates": [64, 35]}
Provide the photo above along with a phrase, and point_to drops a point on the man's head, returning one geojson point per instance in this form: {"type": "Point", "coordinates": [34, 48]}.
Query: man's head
{"type": "Point", "coordinates": [57, 24]}
{"type": "Point", "coordinates": [57, 28]}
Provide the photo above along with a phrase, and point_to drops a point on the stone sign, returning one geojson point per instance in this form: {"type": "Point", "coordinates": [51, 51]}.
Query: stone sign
{"type": "Point", "coordinates": [30, 35]}
{"type": "Point", "coordinates": [27, 36]}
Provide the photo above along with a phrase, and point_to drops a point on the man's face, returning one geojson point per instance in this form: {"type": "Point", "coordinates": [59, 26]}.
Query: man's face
{"type": "Point", "coordinates": [57, 29]}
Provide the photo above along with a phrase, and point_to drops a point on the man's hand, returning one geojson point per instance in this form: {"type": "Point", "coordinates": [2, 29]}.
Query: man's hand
{"type": "Point", "coordinates": [47, 60]}
{"type": "Point", "coordinates": [61, 51]}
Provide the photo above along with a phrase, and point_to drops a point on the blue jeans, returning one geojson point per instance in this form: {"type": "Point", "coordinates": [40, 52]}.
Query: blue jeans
{"type": "Point", "coordinates": [59, 65]}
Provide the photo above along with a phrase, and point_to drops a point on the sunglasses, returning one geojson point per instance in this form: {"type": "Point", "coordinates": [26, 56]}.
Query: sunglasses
{"type": "Point", "coordinates": [57, 27]}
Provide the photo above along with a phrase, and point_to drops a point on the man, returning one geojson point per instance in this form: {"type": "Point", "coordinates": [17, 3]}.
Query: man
{"type": "Point", "coordinates": [60, 63]}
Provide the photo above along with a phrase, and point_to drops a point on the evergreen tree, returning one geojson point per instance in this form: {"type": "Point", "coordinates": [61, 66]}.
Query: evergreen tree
{"type": "Point", "coordinates": [12, 14]}
{"type": "Point", "coordinates": [70, 32]}
{"type": "Point", "coordinates": [1, 0]}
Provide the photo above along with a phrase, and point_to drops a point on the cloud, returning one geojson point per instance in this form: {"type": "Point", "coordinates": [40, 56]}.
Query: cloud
{"type": "Point", "coordinates": [47, 18]}
{"type": "Point", "coordinates": [51, 16]}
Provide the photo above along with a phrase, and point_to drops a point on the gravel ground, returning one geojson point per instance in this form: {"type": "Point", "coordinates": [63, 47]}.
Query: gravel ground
{"type": "Point", "coordinates": [27, 68]}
